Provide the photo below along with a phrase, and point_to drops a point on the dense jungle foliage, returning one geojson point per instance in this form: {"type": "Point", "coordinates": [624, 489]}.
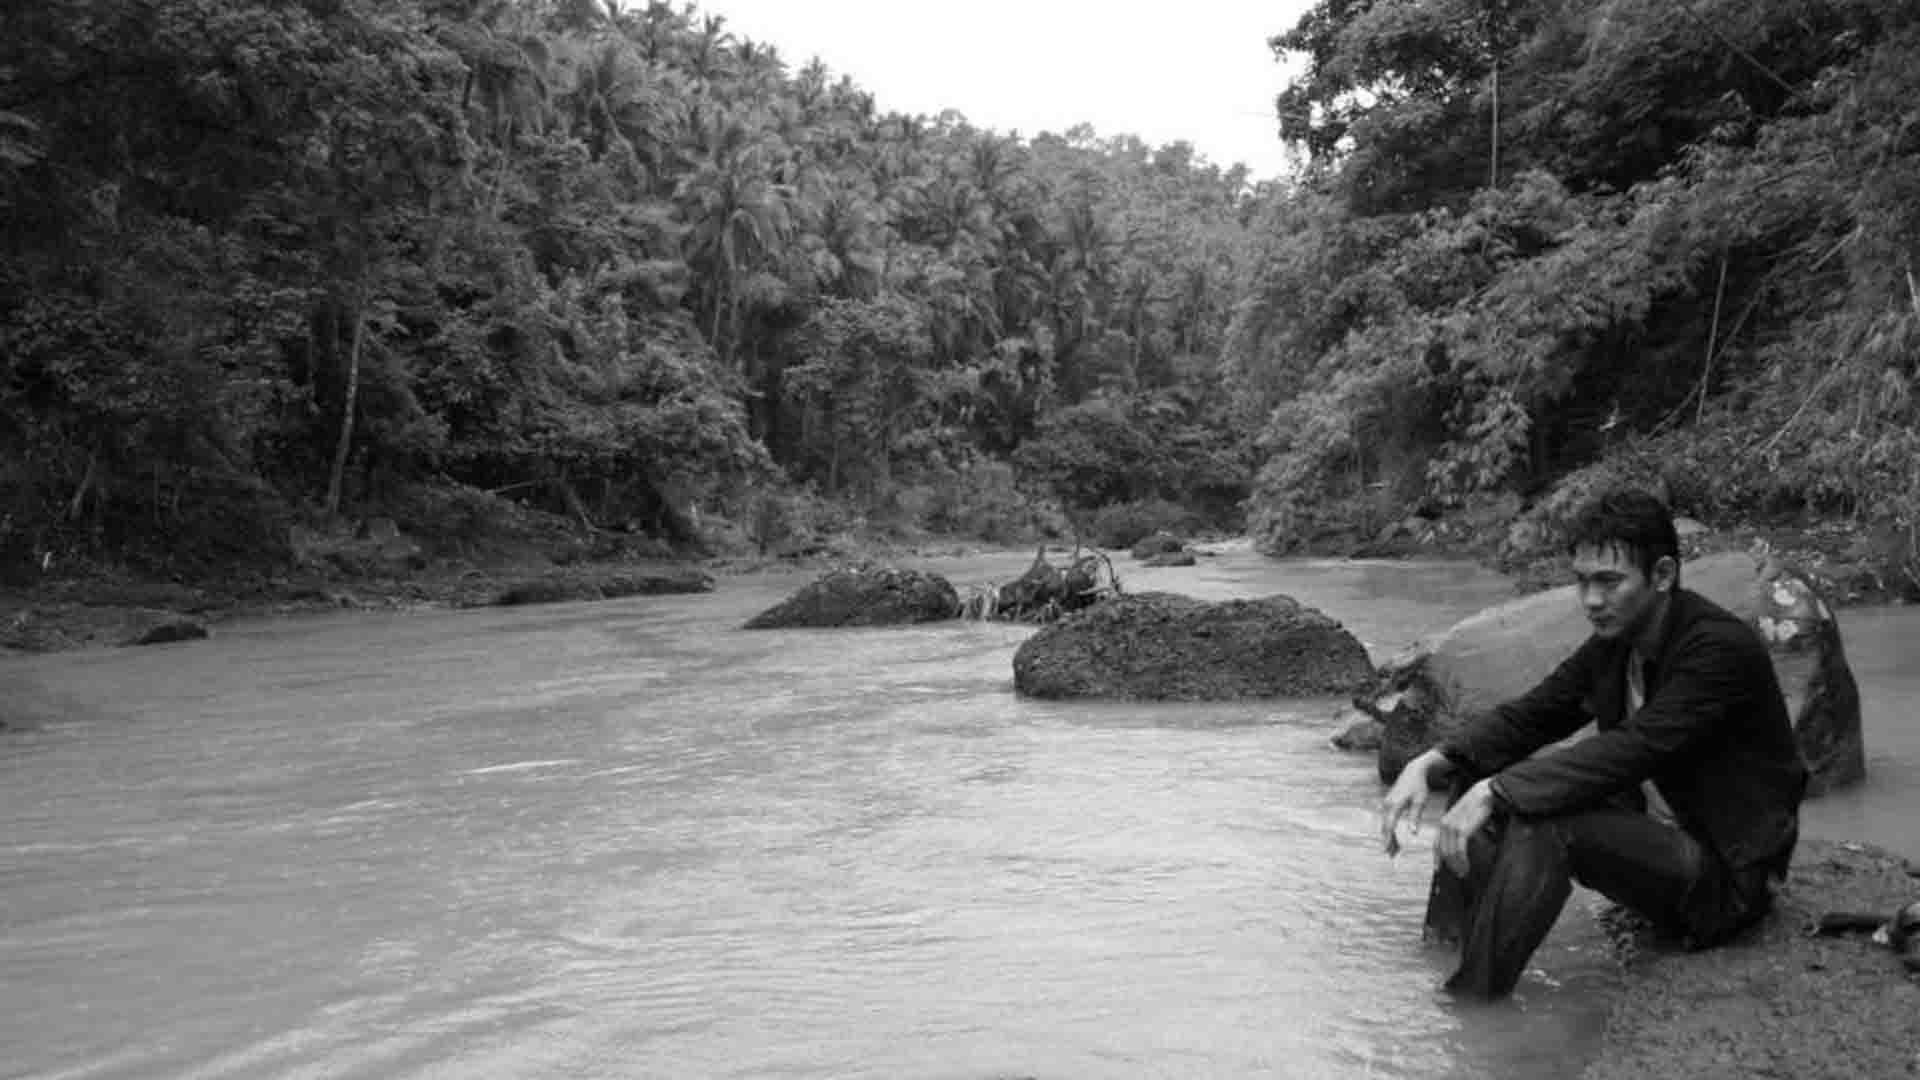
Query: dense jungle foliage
{"type": "Point", "coordinates": [1675, 237]}
{"type": "Point", "coordinates": [271, 261]}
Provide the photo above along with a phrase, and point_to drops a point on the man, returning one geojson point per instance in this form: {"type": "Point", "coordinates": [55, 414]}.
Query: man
{"type": "Point", "coordinates": [1684, 697]}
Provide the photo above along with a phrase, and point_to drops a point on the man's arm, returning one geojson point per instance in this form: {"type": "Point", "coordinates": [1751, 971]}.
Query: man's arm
{"type": "Point", "coordinates": [1712, 675]}
{"type": "Point", "coordinates": [1546, 714]}
{"type": "Point", "coordinates": [1551, 711]}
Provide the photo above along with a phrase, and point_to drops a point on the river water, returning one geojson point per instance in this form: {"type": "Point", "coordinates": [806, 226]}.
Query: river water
{"type": "Point", "coordinates": [630, 840]}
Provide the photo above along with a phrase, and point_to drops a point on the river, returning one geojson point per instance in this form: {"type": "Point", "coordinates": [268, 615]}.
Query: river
{"type": "Point", "coordinates": [630, 840]}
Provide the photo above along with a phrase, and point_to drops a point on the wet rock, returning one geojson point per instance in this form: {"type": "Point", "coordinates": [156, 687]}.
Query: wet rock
{"type": "Point", "coordinates": [572, 588]}
{"type": "Point", "coordinates": [1803, 635]}
{"type": "Point", "coordinates": [1502, 652]}
{"type": "Point", "coordinates": [1159, 543]}
{"type": "Point", "coordinates": [1359, 733]}
{"type": "Point", "coordinates": [1160, 646]}
{"type": "Point", "coordinates": [684, 582]}
{"type": "Point", "coordinates": [864, 596]}
{"type": "Point", "coordinates": [548, 591]}
{"type": "Point", "coordinates": [1172, 558]}
{"type": "Point", "coordinates": [168, 631]}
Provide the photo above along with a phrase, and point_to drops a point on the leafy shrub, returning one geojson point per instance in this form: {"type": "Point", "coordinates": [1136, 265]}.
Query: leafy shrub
{"type": "Point", "coordinates": [981, 500]}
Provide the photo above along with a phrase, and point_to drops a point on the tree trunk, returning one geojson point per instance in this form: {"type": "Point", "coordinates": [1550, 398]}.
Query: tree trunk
{"type": "Point", "coordinates": [574, 504]}
{"type": "Point", "coordinates": [79, 501]}
{"type": "Point", "coordinates": [347, 409]}
{"type": "Point", "coordinates": [1493, 157]}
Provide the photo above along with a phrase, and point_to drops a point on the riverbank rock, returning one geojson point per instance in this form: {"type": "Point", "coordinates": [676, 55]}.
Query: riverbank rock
{"type": "Point", "coordinates": [864, 596]}
{"type": "Point", "coordinates": [167, 631]}
{"type": "Point", "coordinates": [1359, 733]}
{"type": "Point", "coordinates": [1502, 652]}
{"type": "Point", "coordinates": [1165, 647]}
{"type": "Point", "coordinates": [1159, 543]}
{"type": "Point", "coordinates": [1172, 558]}
{"type": "Point", "coordinates": [610, 585]}
{"type": "Point", "coordinates": [1778, 1002]}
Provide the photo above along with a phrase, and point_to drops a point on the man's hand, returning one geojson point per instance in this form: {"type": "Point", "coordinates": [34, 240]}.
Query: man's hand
{"type": "Point", "coordinates": [1407, 796]}
{"type": "Point", "coordinates": [1462, 820]}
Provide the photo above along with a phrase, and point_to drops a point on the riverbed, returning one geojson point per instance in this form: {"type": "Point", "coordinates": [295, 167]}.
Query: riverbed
{"type": "Point", "coordinates": [628, 839]}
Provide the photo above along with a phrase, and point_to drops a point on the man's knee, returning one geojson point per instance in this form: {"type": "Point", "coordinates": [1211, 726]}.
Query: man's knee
{"type": "Point", "coordinates": [1537, 842]}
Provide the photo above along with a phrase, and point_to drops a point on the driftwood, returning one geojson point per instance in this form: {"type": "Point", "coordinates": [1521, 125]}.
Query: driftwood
{"type": "Point", "coordinates": [1045, 592]}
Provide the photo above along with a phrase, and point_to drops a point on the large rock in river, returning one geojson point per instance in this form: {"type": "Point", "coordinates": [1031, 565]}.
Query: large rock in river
{"type": "Point", "coordinates": [864, 596]}
{"type": "Point", "coordinates": [1502, 652]}
{"type": "Point", "coordinates": [1160, 646]}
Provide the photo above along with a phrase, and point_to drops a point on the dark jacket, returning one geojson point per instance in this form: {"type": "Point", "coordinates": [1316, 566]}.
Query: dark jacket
{"type": "Point", "coordinates": [1713, 736]}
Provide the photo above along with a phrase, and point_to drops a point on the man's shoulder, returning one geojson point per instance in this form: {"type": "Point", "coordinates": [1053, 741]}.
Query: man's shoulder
{"type": "Point", "coordinates": [1698, 618]}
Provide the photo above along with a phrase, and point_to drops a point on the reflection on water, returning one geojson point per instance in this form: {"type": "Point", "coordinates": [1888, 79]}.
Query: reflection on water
{"type": "Point", "coordinates": [629, 840]}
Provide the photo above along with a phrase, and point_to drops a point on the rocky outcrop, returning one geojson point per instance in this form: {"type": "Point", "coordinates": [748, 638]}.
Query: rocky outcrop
{"type": "Point", "coordinates": [1163, 647]}
{"type": "Point", "coordinates": [864, 596]}
{"type": "Point", "coordinates": [612, 585]}
{"type": "Point", "coordinates": [1359, 732]}
{"type": "Point", "coordinates": [1171, 558]}
{"type": "Point", "coordinates": [1159, 543]}
{"type": "Point", "coordinates": [1500, 653]}
{"type": "Point", "coordinates": [167, 630]}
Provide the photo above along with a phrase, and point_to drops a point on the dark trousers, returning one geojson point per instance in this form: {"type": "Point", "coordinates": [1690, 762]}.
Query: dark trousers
{"type": "Point", "coordinates": [1523, 869]}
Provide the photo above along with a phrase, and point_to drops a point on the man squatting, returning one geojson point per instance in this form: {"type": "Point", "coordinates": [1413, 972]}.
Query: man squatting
{"type": "Point", "coordinates": [1684, 698]}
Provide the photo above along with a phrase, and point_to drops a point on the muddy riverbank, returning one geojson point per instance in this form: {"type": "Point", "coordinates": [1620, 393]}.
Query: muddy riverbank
{"type": "Point", "coordinates": [1783, 1003]}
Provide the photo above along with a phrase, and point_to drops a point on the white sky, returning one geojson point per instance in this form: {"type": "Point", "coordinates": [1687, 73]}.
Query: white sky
{"type": "Point", "coordinates": [1198, 70]}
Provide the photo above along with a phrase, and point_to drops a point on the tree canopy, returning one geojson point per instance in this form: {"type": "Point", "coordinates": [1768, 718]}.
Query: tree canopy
{"type": "Point", "coordinates": [1538, 234]}
{"type": "Point", "coordinates": [300, 254]}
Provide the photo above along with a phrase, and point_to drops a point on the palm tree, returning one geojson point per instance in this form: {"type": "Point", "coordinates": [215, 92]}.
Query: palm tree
{"type": "Point", "coordinates": [739, 219]}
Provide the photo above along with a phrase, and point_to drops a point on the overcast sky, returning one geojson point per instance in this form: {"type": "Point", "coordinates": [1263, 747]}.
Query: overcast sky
{"type": "Point", "coordinates": [1198, 70]}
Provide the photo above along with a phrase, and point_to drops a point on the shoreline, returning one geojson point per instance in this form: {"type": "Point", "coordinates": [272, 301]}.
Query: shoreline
{"type": "Point", "coordinates": [108, 610]}
{"type": "Point", "coordinates": [1781, 1002]}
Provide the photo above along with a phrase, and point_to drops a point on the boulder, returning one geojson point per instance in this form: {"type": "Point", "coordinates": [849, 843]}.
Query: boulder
{"type": "Point", "coordinates": [1172, 558]}
{"type": "Point", "coordinates": [1164, 647]}
{"type": "Point", "coordinates": [1159, 543]}
{"type": "Point", "coordinates": [864, 596]}
{"type": "Point", "coordinates": [1502, 652]}
{"type": "Point", "coordinates": [1359, 732]}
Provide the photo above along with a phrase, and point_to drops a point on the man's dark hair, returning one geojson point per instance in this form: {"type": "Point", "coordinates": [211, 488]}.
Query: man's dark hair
{"type": "Point", "coordinates": [1639, 523]}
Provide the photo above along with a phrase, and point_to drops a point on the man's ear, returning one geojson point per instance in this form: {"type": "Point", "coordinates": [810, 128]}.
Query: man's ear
{"type": "Point", "coordinates": [1666, 571]}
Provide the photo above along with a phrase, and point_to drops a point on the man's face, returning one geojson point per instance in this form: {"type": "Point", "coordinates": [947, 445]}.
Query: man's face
{"type": "Point", "coordinates": [1616, 595]}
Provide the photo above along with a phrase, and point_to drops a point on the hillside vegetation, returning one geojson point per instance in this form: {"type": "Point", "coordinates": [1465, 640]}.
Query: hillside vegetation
{"type": "Point", "coordinates": [307, 261]}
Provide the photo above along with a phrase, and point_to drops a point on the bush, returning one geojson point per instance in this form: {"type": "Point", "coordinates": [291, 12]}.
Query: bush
{"type": "Point", "coordinates": [451, 519]}
{"type": "Point", "coordinates": [982, 501]}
